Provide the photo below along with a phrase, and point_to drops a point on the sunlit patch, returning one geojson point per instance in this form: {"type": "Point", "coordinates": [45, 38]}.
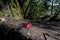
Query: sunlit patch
{"type": "Point", "coordinates": [3, 20]}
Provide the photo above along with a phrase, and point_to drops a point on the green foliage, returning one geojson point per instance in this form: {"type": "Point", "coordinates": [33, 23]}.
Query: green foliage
{"type": "Point", "coordinates": [14, 9]}
{"type": "Point", "coordinates": [33, 10]}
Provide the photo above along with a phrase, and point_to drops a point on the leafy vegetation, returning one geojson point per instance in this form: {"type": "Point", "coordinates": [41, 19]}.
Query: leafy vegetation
{"type": "Point", "coordinates": [33, 9]}
{"type": "Point", "coordinates": [36, 9]}
{"type": "Point", "coordinates": [14, 9]}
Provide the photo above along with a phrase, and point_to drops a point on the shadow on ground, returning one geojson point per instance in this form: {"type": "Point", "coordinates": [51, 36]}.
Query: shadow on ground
{"type": "Point", "coordinates": [11, 35]}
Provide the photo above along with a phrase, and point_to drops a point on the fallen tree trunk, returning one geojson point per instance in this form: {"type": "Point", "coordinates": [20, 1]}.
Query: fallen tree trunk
{"type": "Point", "coordinates": [33, 33]}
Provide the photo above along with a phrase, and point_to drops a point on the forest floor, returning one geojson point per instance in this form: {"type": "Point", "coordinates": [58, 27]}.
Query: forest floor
{"type": "Point", "coordinates": [36, 30]}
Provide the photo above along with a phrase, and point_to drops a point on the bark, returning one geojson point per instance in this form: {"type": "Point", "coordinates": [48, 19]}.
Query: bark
{"type": "Point", "coordinates": [33, 33]}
